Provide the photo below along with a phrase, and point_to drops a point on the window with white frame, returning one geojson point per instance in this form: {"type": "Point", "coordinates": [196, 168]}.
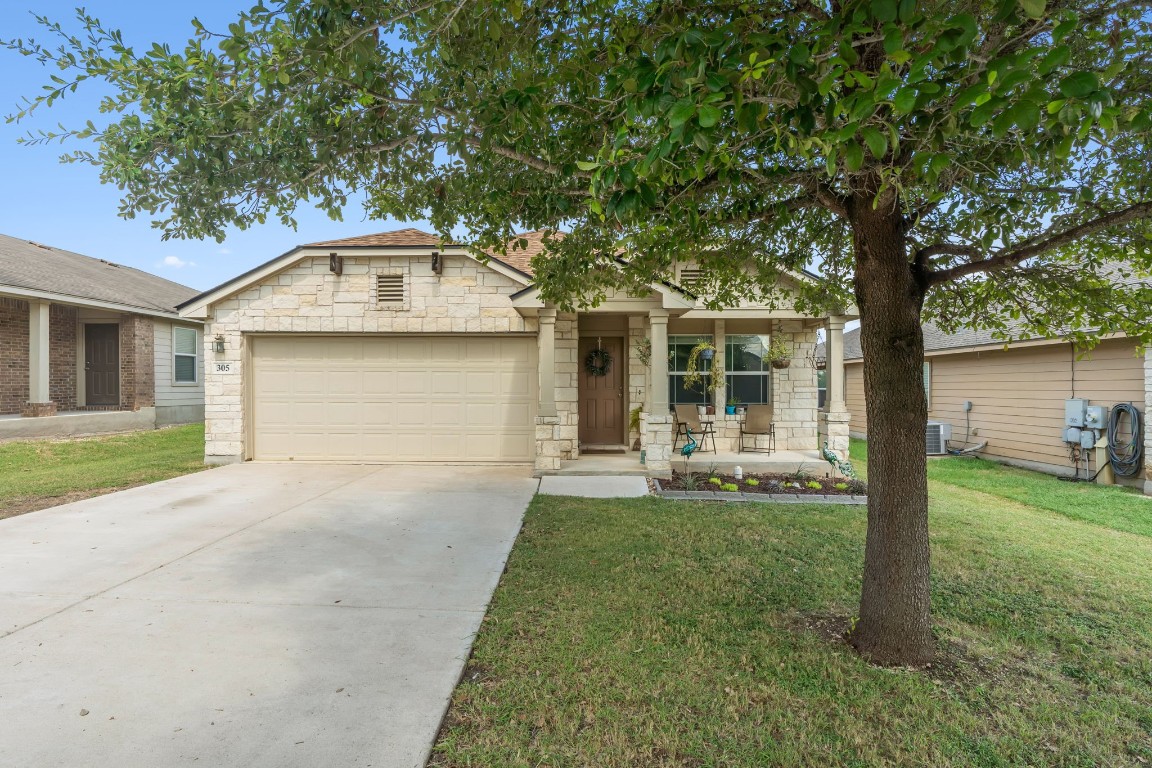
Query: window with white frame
{"type": "Point", "coordinates": [927, 371]}
{"type": "Point", "coordinates": [185, 355]}
{"type": "Point", "coordinates": [679, 349]}
{"type": "Point", "coordinates": [749, 372]}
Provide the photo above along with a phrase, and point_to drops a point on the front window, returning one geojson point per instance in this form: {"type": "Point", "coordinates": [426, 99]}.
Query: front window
{"type": "Point", "coordinates": [679, 348]}
{"type": "Point", "coordinates": [749, 374]}
{"type": "Point", "coordinates": [185, 351]}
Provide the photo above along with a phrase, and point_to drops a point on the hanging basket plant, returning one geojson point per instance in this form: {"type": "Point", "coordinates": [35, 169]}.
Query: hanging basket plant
{"type": "Point", "coordinates": [598, 362]}
{"type": "Point", "coordinates": [779, 353]}
{"type": "Point", "coordinates": [694, 377]}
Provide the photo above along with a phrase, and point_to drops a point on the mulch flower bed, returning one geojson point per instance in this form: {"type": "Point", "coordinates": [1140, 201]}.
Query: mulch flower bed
{"type": "Point", "coordinates": [766, 483]}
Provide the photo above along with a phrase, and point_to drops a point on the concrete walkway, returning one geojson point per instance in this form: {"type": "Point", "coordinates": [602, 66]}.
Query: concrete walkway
{"type": "Point", "coordinates": [253, 615]}
{"type": "Point", "coordinates": [604, 487]}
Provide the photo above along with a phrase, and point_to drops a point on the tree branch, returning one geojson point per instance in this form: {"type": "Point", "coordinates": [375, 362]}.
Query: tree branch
{"type": "Point", "coordinates": [1045, 242]}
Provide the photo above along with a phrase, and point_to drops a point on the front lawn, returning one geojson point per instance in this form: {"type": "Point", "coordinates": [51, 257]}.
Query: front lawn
{"type": "Point", "coordinates": [653, 632]}
{"type": "Point", "coordinates": [43, 473]}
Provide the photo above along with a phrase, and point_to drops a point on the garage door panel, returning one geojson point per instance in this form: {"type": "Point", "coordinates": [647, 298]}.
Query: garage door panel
{"type": "Point", "coordinates": [394, 398]}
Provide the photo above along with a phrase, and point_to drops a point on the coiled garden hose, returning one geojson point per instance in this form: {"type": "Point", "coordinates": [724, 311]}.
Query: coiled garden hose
{"type": "Point", "coordinates": [1126, 458]}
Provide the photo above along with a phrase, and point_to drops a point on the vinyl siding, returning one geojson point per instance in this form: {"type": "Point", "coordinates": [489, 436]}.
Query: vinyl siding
{"type": "Point", "coordinates": [1018, 394]}
{"type": "Point", "coordinates": [168, 393]}
{"type": "Point", "coordinates": [854, 398]}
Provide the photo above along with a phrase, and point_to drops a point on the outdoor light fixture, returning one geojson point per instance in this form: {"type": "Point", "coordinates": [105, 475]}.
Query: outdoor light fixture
{"type": "Point", "coordinates": [437, 263]}
{"type": "Point", "coordinates": [335, 263]}
{"type": "Point", "coordinates": [218, 344]}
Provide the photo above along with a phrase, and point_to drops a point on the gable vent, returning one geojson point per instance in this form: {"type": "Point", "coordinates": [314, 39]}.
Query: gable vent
{"type": "Point", "coordinates": [390, 289]}
{"type": "Point", "coordinates": [691, 278]}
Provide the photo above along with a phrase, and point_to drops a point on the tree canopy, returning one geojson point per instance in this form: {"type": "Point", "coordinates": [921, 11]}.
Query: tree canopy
{"type": "Point", "coordinates": [973, 162]}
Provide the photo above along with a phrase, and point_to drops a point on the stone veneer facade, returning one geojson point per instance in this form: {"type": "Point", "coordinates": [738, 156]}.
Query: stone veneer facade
{"type": "Point", "coordinates": [307, 298]}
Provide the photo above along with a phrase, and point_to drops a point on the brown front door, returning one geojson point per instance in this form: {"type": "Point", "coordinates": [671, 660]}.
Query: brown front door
{"type": "Point", "coordinates": [102, 363]}
{"type": "Point", "coordinates": [602, 397]}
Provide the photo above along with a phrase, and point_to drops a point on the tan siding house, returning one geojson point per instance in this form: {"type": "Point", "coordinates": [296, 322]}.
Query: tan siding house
{"type": "Point", "coordinates": [1017, 393]}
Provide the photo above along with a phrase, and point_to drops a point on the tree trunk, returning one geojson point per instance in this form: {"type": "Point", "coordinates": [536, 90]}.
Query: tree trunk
{"type": "Point", "coordinates": [895, 626]}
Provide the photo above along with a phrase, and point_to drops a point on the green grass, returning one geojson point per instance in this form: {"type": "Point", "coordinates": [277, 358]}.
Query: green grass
{"type": "Point", "coordinates": [1113, 506]}
{"type": "Point", "coordinates": [652, 632]}
{"type": "Point", "coordinates": [41, 473]}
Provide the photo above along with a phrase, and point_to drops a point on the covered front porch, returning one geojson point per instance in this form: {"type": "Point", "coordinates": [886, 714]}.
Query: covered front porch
{"type": "Point", "coordinates": [620, 418]}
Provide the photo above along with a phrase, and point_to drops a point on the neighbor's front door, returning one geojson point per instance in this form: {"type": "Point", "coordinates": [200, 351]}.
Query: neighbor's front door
{"type": "Point", "coordinates": [602, 397]}
{"type": "Point", "coordinates": [102, 363]}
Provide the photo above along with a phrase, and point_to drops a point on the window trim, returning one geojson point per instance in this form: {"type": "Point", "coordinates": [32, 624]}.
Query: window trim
{"type": "Point", "coordinates": [195, 355]}
{"type": "Point", "coordinates": [926, 373]}
{"type": "Point", "coordinates": [765, 374]}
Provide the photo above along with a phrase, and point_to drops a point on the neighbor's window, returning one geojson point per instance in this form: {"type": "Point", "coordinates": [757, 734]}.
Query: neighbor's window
{"type": "Point", "coordinates": [679, 348]}
{"type": "Point", "coordinates": [185, 351]}
{"type": "Point", "coordinates": [749, 374]}
{"type": "Point", "coordinates": [928, 384]}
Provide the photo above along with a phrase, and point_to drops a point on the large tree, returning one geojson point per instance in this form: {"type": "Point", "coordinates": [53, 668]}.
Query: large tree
{"type": "Point", "coordinates": [972, 162]}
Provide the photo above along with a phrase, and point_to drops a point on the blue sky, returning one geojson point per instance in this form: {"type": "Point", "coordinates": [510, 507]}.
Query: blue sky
{"type": "Point", "coordinates": [66, 206]}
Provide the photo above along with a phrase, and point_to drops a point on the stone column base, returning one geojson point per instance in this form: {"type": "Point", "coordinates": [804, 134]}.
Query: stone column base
{"type": "Point", "coordinates": [657, 442]}
{"type": "Point", "coordinates": [834, 431]}
{"type": "Point", "coordinates": [547, 443]}
{"type": "Point", "coordinates": [36, 410]}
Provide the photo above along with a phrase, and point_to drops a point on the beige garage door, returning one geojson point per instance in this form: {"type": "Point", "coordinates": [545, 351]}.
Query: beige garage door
{"type": "Point", "coordinates": [395, 398]}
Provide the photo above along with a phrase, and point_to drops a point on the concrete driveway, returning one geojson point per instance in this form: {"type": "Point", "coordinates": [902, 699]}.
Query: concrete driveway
{"type": "Point", "coordinates": [253, 615]}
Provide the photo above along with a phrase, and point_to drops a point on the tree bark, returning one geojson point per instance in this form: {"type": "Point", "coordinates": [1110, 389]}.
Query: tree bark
{"type": "Point", "coordinates": [895, 626]}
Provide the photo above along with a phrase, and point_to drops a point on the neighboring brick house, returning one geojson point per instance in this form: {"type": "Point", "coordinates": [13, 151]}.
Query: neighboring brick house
{"type": "Point", "coordinates": [397, 347]}
{"type": "Point", "coordinates": [96, 345]}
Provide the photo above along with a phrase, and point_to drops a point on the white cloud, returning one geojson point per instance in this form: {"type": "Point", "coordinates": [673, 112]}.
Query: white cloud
{"type": "Point", "coordinates": [175, 262]}
{"type": "Point", "coordinates": [224, 252]}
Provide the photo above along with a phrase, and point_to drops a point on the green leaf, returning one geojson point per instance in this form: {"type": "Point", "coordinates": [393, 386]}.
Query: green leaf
{"type": "Point", "coordinates": [884, 10]}
{"type": "Point", "coordinates": [284, 78]}
{"type": "Point", "coordinates": [853, 156]}
{"type": "Point", "coordinates": [681, 112]}
{"type": "Point", "coordinates": [709, 116]}
{"type": "Point", "coordinates": [877, 143]}
{"type": "Point", "coordinates": [905, 100]}
{"type": "Point", "coordinates": [1079, 84]}
{"type": "Point", "coordinates": [1033, 9]}
{"type": "Point", "coordinates": [585, 165]}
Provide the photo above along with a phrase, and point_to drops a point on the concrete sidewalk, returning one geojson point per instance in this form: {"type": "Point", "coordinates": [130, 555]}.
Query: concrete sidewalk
{"type": "Point", "coordinates": [594, 486]}
{"type": "Point", "coordinates": [253, 615]}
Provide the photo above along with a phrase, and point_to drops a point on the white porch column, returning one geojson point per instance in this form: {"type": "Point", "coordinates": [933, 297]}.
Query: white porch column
{"type": "Point", "coordinates": [659, 397]}
{"type": "Point", "coordinates": [834, 421]}
{"type": "Point", "coordinates": [834, 365]}
{"type": "Point", "coordinates": [39, 401]}
{"type": "Point", "coordinates": [546, 349]}
{"type": "Point", "coordinates": [720, 394]}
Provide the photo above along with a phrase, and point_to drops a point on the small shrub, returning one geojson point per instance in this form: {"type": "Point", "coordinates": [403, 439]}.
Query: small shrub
{"type": "Point", "coordinates": [731, 487]}
{"type": "Point", "coordinates": [715, 481]}
{"type": "Point", "coordinates": [690, 481]}
{"type": "Point", "coordinates": [752, 482]}
{"type": "Point", "coordinates": [841, 486]}
{"type": "Point", "coordinates": [815, 486]}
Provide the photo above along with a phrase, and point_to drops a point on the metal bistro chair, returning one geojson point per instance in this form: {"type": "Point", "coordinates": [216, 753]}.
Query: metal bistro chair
{"type": "Point", "coordinates": [758, 421]}
{"type": "Point", "coordinates": [687, 417]}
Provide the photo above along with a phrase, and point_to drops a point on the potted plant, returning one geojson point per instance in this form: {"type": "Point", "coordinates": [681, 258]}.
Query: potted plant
{"type": "Point", "coordinates": [708, 380]}
{"type": "Point", "coordinates": [730, 409]}
{"type": "Point", "coordinates": [779, 353]}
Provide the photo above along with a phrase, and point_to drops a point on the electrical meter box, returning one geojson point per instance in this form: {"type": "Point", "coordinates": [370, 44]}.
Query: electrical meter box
{"type": "Point", "coordinates": [1072, 435]}
{"type": "Point", "coordinates": [1096, 417]}
{"type": "Point", "coordinates": [1075, 411]}
{"type": "Point", "coordinates": [1087, 439]}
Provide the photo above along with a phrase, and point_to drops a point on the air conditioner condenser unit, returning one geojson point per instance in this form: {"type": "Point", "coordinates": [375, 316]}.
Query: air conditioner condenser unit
{"type": "Point", "coordinates": [936, 437]}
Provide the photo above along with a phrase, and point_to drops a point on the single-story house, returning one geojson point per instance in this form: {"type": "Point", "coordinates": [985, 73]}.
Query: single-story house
{"type": "Point", "coordinates": [397, 347]}
{"type": "Point", "coordinates": [1016, 392]}
{"type": "Point", "coordinates": [88, 346]}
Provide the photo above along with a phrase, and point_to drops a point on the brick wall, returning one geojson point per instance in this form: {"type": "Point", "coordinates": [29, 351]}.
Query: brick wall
{"type": "Point", "coordinates": [62, 356]}
{"type": "Point", "coordinates": [13, 355]}
{"type": "Point", "coordinates": [137, 362]}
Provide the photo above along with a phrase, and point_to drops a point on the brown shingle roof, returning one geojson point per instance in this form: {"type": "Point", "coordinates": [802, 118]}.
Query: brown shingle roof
{"type": "Point", "coordinates": [34, 267]}
{"type": "Point", "coordinates": [399, 237]}
{"type": "Point", "coordinates": [521, 258]}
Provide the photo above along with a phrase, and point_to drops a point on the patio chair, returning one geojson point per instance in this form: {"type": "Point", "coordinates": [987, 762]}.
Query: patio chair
{"type": "Point", "coordinates": [757, 422]}
{"type": "Point", "coordinates": [688, 418]}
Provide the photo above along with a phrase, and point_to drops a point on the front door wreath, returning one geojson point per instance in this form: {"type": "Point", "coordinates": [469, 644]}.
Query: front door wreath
{"type": "Point", "coordinates": [598, 362]}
